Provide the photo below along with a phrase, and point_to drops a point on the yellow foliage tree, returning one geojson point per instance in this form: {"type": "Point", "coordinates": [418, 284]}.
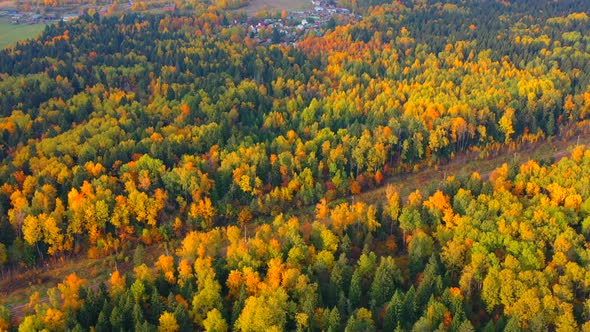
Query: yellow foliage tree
{"type": "Point", "coordinates": [168, 323]}
{"type": "Point", "coordinates": [117, 283]}
{"type": "Point", "coordinates": [70, 291]}
{"type": "Point", "coordinates": [165, 264]}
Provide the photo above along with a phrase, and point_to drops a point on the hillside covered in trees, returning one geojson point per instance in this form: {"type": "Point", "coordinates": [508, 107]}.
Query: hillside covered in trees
{"type": "Point", "coordinates": [242, 160]}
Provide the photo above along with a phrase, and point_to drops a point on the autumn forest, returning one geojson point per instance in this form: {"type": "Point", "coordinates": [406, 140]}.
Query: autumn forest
{"type": "Point", "coordinates": [238, 164]}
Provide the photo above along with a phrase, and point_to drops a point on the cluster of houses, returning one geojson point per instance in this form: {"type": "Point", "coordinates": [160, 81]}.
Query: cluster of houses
{"type": "Point", "coordinates": [27, 17]}
{"type": "Point", "coordinates": [300, 22]}
{"type": "Point", "coordinates": [321, 15]}
{"type": "Point", "coordinates": [33, 17]}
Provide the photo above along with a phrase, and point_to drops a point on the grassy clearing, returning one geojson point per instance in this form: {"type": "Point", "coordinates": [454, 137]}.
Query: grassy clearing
{"type": "Point", "coordinates": [20, 287]}
{"type": "Point", "coordinates": [16, 290]}
{"type": "Point", "coordinates": [276, 5]}
{"type": "Point", "coordinates": [11, 33]}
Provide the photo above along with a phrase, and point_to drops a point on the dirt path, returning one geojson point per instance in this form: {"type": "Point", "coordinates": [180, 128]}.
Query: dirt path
{"type": "Point", "coordinates": [15, 291]}
{"type": "Point", "coordinates": [19, 311]}
{"type": "Point", "coordinates": [465, 165]}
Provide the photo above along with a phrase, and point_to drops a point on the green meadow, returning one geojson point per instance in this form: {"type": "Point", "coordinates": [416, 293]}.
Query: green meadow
{"type": "Point", "coordinates": [11, 33]}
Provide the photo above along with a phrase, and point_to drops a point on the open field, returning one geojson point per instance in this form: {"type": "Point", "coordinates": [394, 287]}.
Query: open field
{"type": "Point", "coordinates": [11, 33]}
{"type": "Point", "coordinates": [276, 5]}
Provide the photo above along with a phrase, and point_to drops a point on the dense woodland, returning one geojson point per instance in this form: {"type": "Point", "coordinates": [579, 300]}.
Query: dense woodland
{"type": "Point", "coordinates": [122, 132]}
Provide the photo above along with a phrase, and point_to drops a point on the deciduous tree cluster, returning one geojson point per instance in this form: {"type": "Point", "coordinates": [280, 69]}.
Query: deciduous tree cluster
{"type": "Point", "coordinates": [180, 130]}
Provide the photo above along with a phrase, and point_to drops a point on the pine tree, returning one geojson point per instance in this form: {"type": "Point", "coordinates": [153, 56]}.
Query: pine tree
{"type": "Point", "coordinates": [183, 318]}
{"type": "Point", "coordinates": [238, 305]}
{"type": "Point", "coordinates": [138, 254]}
{"type": "Point", "coordinates": [117, 318]}
{"type": "Point", "coordinates": [355, 290]}
{"type": "Point", "coordinates": [409, 309]}
{"type": "Point", "coordinates": [137, 315]}
{"type": "Point", "coordinates": [155, 308]}
{"type": "Point", "coordinates": [489, 327]}
{"type": "Point", "coordinates": [456, 322]}
{"type": "Point", "coordinates": [393, 312]}
{"type": "Point", "coordinates": [512, 325]}
{"type": "Point", "coordinates": [334, 321]}
{"type": "Point", "coordinates": [466, 326]}
{"type": "Point", "coordinates": [386, 278]}
{"type": "Point", "coordinates": [103, 324]}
